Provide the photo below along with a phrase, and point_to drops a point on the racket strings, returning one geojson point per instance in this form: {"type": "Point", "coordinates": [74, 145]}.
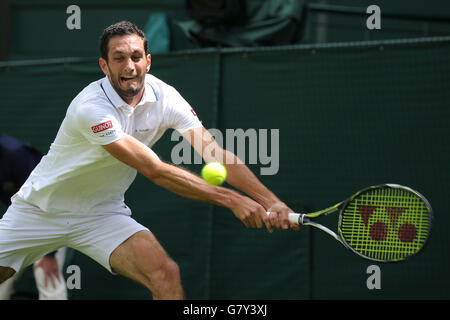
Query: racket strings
{"type": "Point", "coordinates": [386, 224]}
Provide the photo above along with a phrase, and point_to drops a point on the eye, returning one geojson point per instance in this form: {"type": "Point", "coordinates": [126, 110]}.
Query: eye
{"type": "Point", "coordinates": [118, 58]}
{"type": "Point", "coordinates": [136, 58]}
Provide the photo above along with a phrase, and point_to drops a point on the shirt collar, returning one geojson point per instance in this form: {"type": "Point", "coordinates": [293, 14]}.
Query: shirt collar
{"type": "Point", "coordinates": [117, 101]}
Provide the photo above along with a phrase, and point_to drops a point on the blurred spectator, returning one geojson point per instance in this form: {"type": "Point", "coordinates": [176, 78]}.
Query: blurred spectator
{"type": "Point", "coordinates": [17, 160]}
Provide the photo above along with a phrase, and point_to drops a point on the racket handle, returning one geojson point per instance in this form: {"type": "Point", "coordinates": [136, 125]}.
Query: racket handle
{"type": "Point", "coordinates": [293, 217]}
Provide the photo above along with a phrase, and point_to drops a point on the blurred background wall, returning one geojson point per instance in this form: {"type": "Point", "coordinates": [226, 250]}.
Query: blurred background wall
{"type": "Point", "coordinates": [354, 107]}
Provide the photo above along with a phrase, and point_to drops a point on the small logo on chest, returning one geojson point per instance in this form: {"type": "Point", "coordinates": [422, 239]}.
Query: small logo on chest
{"type": "Point", "coordinates": [143, 130]}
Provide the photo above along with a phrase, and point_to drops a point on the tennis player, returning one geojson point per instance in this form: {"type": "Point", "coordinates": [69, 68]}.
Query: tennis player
{"type": "Point", "coordinates": [75, 196]}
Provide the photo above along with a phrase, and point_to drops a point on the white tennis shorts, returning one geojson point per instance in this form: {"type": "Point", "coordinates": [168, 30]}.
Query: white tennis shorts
{"type": "Point", "coordinates": [27, 234]}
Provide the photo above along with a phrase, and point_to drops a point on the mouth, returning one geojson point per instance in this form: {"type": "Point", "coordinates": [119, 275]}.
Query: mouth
{"type": "Point", "coordinates": [127, 79]}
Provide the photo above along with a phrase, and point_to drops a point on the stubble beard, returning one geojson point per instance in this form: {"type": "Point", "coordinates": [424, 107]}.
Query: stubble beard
{"type": "Point", "coordinates": [125, 93]}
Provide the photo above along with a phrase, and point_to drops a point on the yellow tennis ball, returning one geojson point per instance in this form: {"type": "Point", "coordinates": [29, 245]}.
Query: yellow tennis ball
{"type": "Point", "coordinates": [214, 173]}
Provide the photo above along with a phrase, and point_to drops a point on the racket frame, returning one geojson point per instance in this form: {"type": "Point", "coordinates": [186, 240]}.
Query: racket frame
{"type": "Point", "coordinates": [305, 219]}
{"type": "Point", "coordinates": [393, 186]}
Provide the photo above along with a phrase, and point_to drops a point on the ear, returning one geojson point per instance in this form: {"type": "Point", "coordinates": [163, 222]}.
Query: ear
{"type": "Point", "coordinates": [149, 61]}
{"type": "Point", "coordinates": [103, 65]}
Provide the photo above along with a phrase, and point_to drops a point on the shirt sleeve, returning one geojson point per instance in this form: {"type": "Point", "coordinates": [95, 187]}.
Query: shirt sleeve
{"type": "Point", "coordinates": [179, 114]}
{"type": "Point", "coordinates": [99, 126]}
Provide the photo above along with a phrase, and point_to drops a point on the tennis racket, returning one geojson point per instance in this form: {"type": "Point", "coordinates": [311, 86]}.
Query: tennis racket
{"type": "Point", "coordinates": [383, 223]}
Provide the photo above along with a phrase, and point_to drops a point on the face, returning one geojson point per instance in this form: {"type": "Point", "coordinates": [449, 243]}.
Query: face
{"type": "Point", "coordinates": [126, 66]}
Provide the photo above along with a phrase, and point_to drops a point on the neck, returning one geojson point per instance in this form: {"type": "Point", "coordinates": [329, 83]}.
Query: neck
{"type": "Point", "coordinates": [133, 101]}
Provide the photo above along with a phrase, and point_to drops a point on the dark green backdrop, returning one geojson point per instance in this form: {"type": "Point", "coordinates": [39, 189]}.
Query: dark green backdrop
{"type": "Point", "coordinates": [38, 27]}
{"type": "Point", "coordinates": [349, 116]}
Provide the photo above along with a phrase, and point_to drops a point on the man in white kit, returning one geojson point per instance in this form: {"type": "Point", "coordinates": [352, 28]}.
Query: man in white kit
{"type": "Point", "coordinates": [75, 196]}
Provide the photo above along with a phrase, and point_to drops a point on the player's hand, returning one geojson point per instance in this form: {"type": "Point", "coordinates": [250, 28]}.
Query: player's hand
{"type": "Point", "coordinates": [278, 217]}
{"type": "Point", "coordinates": [251, 213]}
{"type": "Point", "coordinates": [50, 266]}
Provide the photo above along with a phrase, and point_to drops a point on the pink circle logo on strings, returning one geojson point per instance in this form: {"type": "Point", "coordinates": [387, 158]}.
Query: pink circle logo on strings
{"type": "Point", "coordinates": [379, 230]}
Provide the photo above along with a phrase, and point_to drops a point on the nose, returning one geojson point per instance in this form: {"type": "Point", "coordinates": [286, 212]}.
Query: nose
{"type": "Point", "coordinates": [129, 67]}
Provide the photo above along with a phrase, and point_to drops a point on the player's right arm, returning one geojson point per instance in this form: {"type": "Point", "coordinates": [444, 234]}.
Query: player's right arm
{"type": "Point", "coordinates": [182, 182]}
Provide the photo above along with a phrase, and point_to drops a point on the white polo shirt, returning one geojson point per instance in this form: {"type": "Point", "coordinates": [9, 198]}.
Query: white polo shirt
{"type": "Point", "coordinates": [77, 174]}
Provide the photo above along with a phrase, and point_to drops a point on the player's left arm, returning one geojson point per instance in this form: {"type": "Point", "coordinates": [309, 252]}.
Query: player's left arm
{"type": "Point", "coordinates": [240, 176]}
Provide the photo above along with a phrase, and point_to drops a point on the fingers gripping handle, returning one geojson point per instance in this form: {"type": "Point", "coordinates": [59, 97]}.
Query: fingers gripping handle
{"type": "Point", "coordinates": [298, 218]}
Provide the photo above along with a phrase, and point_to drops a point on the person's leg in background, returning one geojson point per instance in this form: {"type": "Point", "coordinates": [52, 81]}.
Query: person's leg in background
{"type": "Point", "coordinates": [52, 288]}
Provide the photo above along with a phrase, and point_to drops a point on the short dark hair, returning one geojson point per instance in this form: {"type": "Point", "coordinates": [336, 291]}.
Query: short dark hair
{"type": "Point", "coordinates": [119, 29]}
